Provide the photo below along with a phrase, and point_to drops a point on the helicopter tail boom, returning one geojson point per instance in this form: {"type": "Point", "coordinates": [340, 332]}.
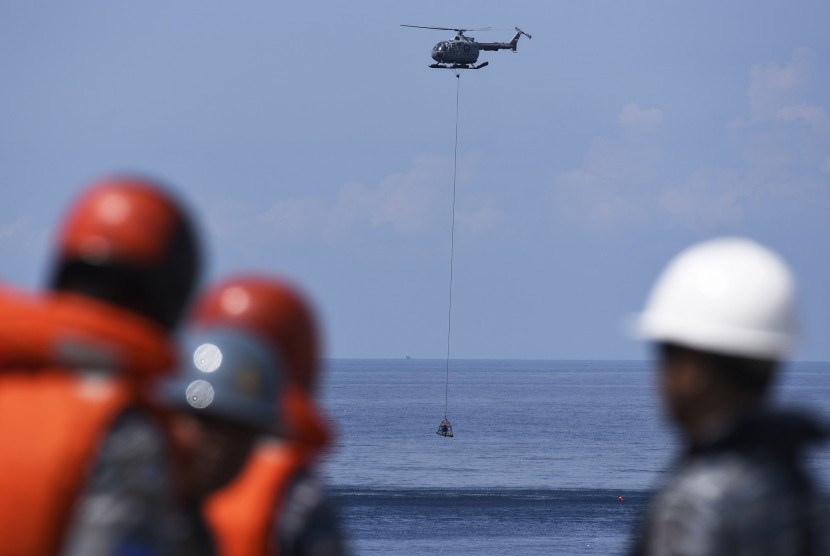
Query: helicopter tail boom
{"type": "Point", "coordinates": [504, 45]}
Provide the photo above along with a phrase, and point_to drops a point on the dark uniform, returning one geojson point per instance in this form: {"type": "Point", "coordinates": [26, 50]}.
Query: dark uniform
{"type": "Point", "coordinates": [745, 492]}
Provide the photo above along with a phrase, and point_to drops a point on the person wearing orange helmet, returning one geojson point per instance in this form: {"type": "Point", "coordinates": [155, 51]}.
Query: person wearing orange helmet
{"type": "Point", "coordinates": [84, 461]}
{"type": "Point", "coordinates": [251, 360]}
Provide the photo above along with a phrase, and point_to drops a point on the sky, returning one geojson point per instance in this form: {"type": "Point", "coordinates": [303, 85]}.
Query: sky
{"type": "Point", "coordinates": [311, 141]}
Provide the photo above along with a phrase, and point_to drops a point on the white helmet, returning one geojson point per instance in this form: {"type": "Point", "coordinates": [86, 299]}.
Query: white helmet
{"type": "Point", "coordinates": [729, 295]}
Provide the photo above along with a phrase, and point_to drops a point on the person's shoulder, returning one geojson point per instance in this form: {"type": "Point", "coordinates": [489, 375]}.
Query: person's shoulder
{"type": "Point", "coordinates": [304, 495]}
{"type": "Point", "coordinates": [308, 523]}
{"type": "Point", "coordinates": [691, 512]}
{"type": "Point", "coordinates": [134, 439]}
{"type": "Point", "coordinates": [731, 495]}
{"type": "Point", "coordinates": [728, 478]}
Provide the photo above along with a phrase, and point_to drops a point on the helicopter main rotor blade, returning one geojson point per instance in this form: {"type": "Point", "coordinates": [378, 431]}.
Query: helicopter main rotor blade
{"type": "Point", "coordinates": [425, 27]}
{"type": "Point", "coordinates": [446, 28]}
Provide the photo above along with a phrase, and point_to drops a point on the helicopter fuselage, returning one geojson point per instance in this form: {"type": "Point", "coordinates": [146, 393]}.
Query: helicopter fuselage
{"type": "Point", "coordinates": [457, 51]}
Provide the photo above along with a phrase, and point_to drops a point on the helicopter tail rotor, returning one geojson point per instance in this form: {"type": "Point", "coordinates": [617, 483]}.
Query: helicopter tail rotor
{"type": "Point", "coordinates": [514, 42]}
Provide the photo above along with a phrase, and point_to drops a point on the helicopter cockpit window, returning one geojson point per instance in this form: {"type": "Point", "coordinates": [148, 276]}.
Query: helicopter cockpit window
{"type": "Point", "coordinates": [438, 47]}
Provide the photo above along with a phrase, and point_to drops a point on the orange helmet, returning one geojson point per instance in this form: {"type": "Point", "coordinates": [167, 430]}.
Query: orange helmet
{"type": "Point", "coordinates": [272, 310]}
{"type": "Point", "coordinates": [128, 242]}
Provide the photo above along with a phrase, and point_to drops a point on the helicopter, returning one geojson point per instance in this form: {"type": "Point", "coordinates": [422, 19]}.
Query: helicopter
{"type": "Point", "coordinates": [462, 51]}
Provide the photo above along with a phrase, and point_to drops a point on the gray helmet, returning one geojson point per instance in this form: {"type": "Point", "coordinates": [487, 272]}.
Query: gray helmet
{"type": "Point", "coordinates": [226, 374]}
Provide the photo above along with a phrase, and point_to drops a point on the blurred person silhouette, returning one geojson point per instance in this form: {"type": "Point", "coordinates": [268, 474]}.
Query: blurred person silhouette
{"type": "Point", "coordinates": [84, 459]}
{"type": "Point", "coordinates": [722, 317]}
{"type": "Point", "coordinates": [255, 364]}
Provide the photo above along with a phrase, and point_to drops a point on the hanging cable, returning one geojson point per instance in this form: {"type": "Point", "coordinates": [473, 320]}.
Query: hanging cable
{"type": "Point", "coordinates": [452, 245]}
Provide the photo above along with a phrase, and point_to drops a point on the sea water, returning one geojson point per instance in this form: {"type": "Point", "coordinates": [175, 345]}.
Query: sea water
{"type": "Point", "coordinates": [549, 457]}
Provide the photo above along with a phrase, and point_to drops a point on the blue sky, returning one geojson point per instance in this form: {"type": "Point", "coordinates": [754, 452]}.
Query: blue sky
{"type": "Point", "coordinates": [311, 140]}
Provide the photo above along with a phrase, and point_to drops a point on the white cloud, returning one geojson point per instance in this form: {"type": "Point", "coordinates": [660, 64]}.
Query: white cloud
{"type": "Point", "coordinates": [297, 217]}
{"type": "Point", "coordinates": [634, 117]}
{"type": "Point", "coordinates": [772, 87]}
{"type": "Point", "coordinates": [13, 229]}
{"type": "Point", "coordinates": [780, 165]}
{"type": "Point", "coordinates": [410, 203]}
{"type": "Point", "coordinates": [26, 243]}
{"type": "Point", "coordinates": [612, 186]}
{"type": "Point", "coordinates": [477, 216]}
{"type": "Point", "coordinates": [811, 114]}
{"type": "Point", "coordinates": [405, 201]}
{"type": "Point", "coordinates": [707, 199]}
{"type": "Point", "coordinates": [593, 201]}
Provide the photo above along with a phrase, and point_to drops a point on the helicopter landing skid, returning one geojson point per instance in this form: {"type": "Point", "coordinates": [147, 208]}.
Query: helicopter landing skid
{"type": "Point", "coordinates": [460, 66]}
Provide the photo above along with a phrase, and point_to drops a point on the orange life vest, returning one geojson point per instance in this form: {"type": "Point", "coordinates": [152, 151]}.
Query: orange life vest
{"type": "Point", "coordinates": [53, 416]}
{"type": "Point", "coordinates": [242, 516]}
